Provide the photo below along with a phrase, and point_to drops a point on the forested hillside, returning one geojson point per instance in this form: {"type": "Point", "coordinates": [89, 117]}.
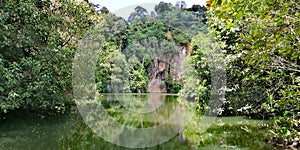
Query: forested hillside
{"type": "Point", "coordinates": [243, 54]}
{"type": "Point", "coordinates": [39, 40]}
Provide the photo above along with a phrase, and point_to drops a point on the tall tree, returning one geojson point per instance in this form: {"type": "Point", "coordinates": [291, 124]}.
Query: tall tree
{"type": "Point", "coordinates": [139, 13]}
{"type": "Point", "coordinates": [104, 10]}
{"type": "Point", "coordinates": [197, 8]}
{"type": "Point", "coordinates": [163, 7]}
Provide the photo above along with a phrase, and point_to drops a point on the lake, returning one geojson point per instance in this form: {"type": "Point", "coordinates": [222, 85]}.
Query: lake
{"type": "Point", "coordinates": [72, 130]}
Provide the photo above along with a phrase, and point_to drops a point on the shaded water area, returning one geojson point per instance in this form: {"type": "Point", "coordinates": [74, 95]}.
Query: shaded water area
{"type": "Point", "coordinates": [69, 131]}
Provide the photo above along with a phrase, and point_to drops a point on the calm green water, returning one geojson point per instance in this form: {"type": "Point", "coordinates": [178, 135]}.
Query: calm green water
{"type": "Point", "coordinates": [69, 131]}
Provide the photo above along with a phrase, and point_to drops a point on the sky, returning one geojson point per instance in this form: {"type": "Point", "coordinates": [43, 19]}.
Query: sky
{"type": "Point", "coordinates": [114, 5]}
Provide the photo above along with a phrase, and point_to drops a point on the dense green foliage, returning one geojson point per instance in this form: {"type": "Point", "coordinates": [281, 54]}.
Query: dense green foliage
{"type": "Point", "coordinates": [257, 40]}
{"type": "Point", "coordinates": [38, 40]}
{"type": "Point", "coordinates": [260, 43]}
{"type": "Point", "coordinates": [267, 42]}
{"type": "Point", "coordinates": [143, 39]}
{"type": "Point", "coordinates": [197, 78]}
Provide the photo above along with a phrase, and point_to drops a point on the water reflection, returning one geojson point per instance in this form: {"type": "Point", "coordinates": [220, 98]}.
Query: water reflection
{"type": "Point", "coordinates": [134, 120]}
{"type": "Point", "coordinates": [22, 131]}
{"type": "Point", "coordinates": [69, 131]}
{"type": "Point", "coordinates": [138, 103]}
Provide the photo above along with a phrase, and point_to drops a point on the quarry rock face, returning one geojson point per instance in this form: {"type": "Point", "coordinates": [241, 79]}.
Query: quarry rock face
{"type": "Point", "coordinates": [161, 66]}
{"type": "Point", "coordinates": [164, 67]}
{"type": "Point", "coordinates": [157, 86]}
